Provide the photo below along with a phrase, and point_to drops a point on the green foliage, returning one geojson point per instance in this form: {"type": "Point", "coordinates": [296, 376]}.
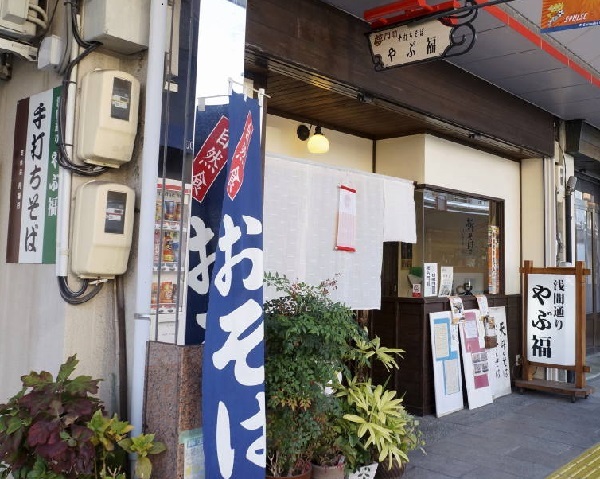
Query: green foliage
{"type": "Point", "coordinates": [307, 338]}
{"type": "Point", "coordinates": [56, 429]}
{"type": "Point", "coordinates": [376, 424]}
{"type": "Point", "coordinates": [142, 445]}
{"type": "Point", "coordinates": [312, 342]}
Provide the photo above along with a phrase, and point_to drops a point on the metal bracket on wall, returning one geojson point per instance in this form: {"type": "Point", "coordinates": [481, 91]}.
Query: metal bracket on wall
{"type": "Point", "coordinates": [27, 52]}
{"type": "Point", "coordinates": [6, 60]}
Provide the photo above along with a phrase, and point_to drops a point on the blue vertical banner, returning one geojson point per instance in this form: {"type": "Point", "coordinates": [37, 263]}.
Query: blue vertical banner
{"type": "Point", "coordinates": [233, 397]}
{"type": "Point", "coordinates": [208, 183]}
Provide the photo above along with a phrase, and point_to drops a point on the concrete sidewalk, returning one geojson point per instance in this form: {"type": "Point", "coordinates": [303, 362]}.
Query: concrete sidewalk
{"type": "Point", "coordinates": [524, 436]}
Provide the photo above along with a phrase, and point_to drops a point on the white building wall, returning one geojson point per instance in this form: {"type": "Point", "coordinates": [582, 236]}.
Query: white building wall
{"type": "Point", "coordinates": [31, 311]}
{"type": "Point", "coordinates": [433, 161]}
{"type": "Point", "coordinates": [402, 157]}
{"type": "Point", "coordinates": [532, 211]}
{"type": "Point", "coordinates": [38, 330]}
{"type": "Point", "coordinates": [345, 150]}
{"type": "Point", "coordinates": [458, 167]}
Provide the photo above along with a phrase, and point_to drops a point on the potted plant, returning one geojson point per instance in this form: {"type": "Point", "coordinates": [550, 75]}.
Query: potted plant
{"type": "Point", "coordinates": [375, 426]}
{"type": "Point", "coordinates": [57, 429]}
{"type": "Point", "coordinates": [307, 339]}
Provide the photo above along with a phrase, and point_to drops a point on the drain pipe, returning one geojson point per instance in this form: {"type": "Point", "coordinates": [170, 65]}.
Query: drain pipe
{"type": "Point", "coordinates": [148, 179]}
{"type": "Point", "coordinates": [65, 176]}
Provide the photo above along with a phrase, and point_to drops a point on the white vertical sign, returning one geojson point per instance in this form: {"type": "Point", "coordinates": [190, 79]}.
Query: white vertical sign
{"type": "Point", "coordinates": [499, 365]}
{"type": "Point", "coordinates": [33, 213]}
{"type": "Point", "coordinates": [551, 317]}
{"type": "Point", "coordinates": [430, 279]}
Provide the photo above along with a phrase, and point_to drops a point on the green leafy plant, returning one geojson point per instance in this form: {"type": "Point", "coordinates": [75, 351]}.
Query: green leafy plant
{"type": "Point", "coordinates": [376, 425]}
{"type": "Point", "coordinates": [56, 429]}
{"type": "Point", "coordinates": [308, 337]}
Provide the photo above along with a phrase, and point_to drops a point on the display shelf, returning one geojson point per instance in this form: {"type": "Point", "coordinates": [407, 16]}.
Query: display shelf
{"type": "Point", "coordinates": [169, 226]}
{"type": "Point", "coordinates": [169, 241]}
{"type": "Point", "coordinates": [168, 268]}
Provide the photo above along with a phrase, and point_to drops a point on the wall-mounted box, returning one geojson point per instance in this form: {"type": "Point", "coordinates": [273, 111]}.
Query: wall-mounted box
{"type": "Point", "coordinates": [13, 19]}
{"type": "Point", "coordinates": [102, 229]}
{"type": "Point", "coordinates": [108, 117]}
{"type": "Point", "coordinates": [121, 26]}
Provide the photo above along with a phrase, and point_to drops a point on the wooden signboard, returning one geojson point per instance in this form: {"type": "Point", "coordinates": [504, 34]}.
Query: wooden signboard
{"type": "Point", "coordinates": [554, 327]}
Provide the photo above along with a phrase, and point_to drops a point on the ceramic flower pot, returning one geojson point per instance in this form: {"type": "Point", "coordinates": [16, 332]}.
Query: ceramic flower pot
{"type": "Point", "coordinates": [364, 472]}
{"type": "Point", "coordinates": [328, 472]}
{"type": "Point", "coordinates": [396, 472]}
{"type": "Point", "coordinates": [304, 475]}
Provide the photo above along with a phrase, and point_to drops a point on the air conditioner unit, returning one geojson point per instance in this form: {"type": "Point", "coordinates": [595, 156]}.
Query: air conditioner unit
{"type": "Point", "coordinates": [19, 19]}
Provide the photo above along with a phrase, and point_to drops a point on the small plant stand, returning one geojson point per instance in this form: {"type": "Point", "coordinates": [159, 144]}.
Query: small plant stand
{"type": "Point", "coordinates": [546, 307]}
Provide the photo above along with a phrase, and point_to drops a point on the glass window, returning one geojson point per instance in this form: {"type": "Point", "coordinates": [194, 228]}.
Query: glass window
{"type": "Point", "coordinates": [456, 230]}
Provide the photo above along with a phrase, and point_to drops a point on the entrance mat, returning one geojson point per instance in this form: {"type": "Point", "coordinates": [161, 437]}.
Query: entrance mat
{"type": "Point", "coordinates": [585, 466]}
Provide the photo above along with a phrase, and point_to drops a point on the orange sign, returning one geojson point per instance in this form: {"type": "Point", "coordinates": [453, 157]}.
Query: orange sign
{"type": "Point", "coordinates": [561, 15]}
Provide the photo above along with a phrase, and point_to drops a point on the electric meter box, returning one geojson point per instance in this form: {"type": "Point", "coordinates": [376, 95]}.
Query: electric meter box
{"type": "Point", "coordinates": [108, 117]}
{"type": "Point", "coordinates": [102, 229]}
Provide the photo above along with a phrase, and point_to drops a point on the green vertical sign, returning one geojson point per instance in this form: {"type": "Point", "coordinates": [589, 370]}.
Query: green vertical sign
{"type": "Point", "coordinates": [51, 209]}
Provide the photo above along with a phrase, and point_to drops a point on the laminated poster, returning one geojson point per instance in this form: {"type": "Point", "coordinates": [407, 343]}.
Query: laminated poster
{"type": "Point", "coordinates": [475, 360]}
{"type": "Point", "coordinates": [447, 372]}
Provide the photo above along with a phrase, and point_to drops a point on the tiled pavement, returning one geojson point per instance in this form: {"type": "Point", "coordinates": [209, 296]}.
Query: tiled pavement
{"type": "Point", "coordinates": [524, 436]}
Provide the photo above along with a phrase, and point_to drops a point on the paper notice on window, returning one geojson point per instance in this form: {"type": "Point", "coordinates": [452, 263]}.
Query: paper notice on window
{"type": "Point", "coordinates": [346, 231]}
{"type": "Point", "coordinates": [442, 341]}
{"type": "Point", "coordinates": [430, 279]}
{"type": "Point", "coordinates": [446, 278]}
{"type": "Point", "coordinates": [452, 376]}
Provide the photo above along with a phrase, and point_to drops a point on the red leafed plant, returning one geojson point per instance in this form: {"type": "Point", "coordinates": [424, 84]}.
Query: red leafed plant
{"type": "Point", "coordinates": [48, 420]}
{"type": "Point", "coordinates": [57, 429]}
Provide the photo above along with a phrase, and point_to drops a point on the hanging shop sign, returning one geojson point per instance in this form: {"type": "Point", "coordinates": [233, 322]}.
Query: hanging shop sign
{"type": "Point", "coordinates": [405, 44]}
{"type": "Point", "coordinates": [420, 32]}
{"type": "Point", "coordinates": [569, 14]}
{"type": "Point", "coordinates": [34, 184]}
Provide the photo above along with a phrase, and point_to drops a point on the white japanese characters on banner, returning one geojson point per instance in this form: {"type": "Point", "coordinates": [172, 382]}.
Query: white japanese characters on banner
{"type": "Point", "coordinates": [551, 318]}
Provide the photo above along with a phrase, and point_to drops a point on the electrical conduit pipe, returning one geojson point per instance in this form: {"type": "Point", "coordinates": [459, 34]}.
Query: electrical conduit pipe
{"type": "Point", "coordinates": [65, 177]}
{"type": "Point", "coordinates": [149, 177]}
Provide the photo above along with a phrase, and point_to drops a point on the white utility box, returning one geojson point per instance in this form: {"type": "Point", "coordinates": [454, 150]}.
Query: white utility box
{"type": "Point", "coordinates": [102, 229]}
{"type": "Point", "coordinates": [121, 26]}
{"type": "Point", "coordinates": [13, 18]}
{"type": "Point", "coordinates": [108, 117]}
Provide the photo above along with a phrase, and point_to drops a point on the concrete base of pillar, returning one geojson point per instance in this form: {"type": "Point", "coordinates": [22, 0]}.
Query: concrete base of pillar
{"type": "Point", "coordinates": [173, 404]}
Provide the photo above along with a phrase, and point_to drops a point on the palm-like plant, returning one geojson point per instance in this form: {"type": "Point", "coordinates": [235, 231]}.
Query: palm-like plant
{"type": "Point", "coordinates": [376, 424]}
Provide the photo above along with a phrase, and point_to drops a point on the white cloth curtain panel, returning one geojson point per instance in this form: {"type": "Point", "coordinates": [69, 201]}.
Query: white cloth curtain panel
{"type": "Point", "coordinates": [300, 225]}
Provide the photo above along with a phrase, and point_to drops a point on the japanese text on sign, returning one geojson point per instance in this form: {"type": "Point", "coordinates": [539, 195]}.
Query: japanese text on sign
{"type": "Point", "coordinates": [409, 44]}
{"type": "Point", "coordinates": [551, 319]}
